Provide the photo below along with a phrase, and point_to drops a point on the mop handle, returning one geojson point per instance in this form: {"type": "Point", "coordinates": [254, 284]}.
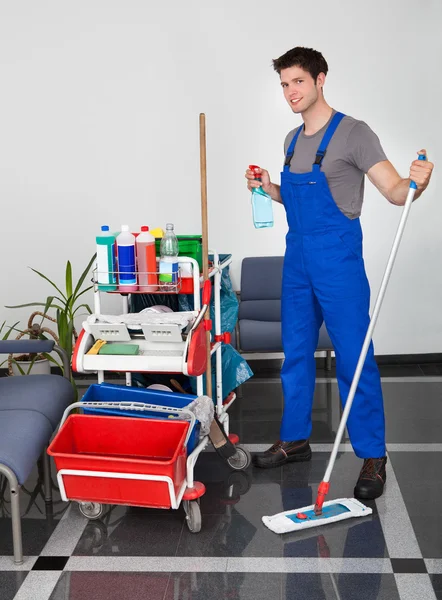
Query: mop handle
{"type": "Point", "coordinates": [369, 335]}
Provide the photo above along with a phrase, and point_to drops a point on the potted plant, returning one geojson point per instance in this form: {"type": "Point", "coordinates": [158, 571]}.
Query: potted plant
{"type": "Point", "coordinates": [66, 304]}
{"type": "Point", "coordinates": [38, 364]}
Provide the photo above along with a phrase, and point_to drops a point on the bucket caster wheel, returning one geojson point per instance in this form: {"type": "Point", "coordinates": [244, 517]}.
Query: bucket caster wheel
{"type": "Point", "coordinates": [193, 515]}
{"type": "Point", "coordinates": [91, 510]}
{"type": "Point", "coordinates": [240, 460]}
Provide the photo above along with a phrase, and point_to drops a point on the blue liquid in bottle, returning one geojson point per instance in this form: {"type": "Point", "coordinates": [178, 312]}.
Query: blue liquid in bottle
{"type": "Point", "coordinates": [262, 207]}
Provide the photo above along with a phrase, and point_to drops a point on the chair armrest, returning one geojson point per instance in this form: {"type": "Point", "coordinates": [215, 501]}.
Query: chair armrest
{"type": "Point", "coordinates": [65, 360]}
{"type": "Point", "coordinates": [36, 347]}
{"type": "Point", "coordinates": [26, 346]}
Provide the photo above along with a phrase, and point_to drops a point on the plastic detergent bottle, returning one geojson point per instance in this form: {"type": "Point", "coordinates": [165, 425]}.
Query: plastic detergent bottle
{"type": "Point", "coordinates": [146, 261]}
{"type": "Point", "coordinates": [169, 249]}
{"type": "Point", "coordinates": [261, 205]}
{"type": "Point", "coordinates": [126, 261]}
{"type": "Point", "coordinates": [106, 265]}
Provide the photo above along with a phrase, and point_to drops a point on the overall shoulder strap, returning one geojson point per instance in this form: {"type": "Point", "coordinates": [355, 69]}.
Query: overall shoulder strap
{"type": "Point", "coordinates": [337, 118]}
{"type": "Point", "coordinates": [291, 149]}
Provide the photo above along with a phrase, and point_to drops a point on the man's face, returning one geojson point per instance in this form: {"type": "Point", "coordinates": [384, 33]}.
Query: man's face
{"type": "Point", "coordinates": [299, 89]}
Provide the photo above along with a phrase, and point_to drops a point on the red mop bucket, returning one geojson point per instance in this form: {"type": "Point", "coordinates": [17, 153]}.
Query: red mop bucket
{"type": "Point", "coordinates": [123, 445]}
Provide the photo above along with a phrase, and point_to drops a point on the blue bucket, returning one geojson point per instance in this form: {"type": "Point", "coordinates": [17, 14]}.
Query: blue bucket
{"type": "Point", "coordinates": [107, 392]}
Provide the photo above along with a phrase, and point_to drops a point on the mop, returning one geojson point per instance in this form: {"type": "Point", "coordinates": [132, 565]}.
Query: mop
{"type": "Point", "coordinates": [322, 513]}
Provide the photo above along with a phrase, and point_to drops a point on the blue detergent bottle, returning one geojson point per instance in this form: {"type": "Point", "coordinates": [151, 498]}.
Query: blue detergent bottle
{"type": "Point", "coordinates": [127, 274]}
{"type": "Point", "coordinates": [262, 207]}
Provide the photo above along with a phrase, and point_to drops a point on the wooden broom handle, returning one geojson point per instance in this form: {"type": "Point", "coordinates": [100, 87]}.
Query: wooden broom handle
{"type": "Point", "coordinates": [205, 238]}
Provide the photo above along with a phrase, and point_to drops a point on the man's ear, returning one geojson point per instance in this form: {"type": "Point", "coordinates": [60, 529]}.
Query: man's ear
{"type": "Point", "coordinates": [320, 81]}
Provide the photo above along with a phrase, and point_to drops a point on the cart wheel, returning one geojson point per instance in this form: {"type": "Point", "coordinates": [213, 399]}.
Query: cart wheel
{"type": "Point", "coordinates": [91, 510]}
{"type": "Point", "coordinates": [240, 460]}
{"type": "Point", "coordinates": [241, 482]}
{"type": "Point", "coordinates": [193, 515]}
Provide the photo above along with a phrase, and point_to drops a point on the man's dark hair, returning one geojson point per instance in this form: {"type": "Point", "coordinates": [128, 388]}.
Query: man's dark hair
{"type": "Point", "coordinates": [307, 59]}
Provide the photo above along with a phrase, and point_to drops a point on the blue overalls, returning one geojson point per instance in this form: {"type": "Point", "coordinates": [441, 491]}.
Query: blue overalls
{"type": "Point", "coordinates": [324, 280]}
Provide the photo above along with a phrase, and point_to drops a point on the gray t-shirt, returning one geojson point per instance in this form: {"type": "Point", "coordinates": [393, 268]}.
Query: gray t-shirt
{"type": "Point", "coordinates": [352, 151]}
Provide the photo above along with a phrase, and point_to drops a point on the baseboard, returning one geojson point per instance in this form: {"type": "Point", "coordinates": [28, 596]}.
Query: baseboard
{"type": "Point", "coordinates": [274, 359]}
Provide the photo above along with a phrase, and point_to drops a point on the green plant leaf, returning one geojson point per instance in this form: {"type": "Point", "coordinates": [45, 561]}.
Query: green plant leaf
{"type": "Point", "coordinates": [52, 360]}
{"type": "Point", "coordinates": [10, 330]}
{"type": "Point", "coordinates": [83, 277]}
{"type": "Point", "coordinates": [35, 304]}
{"type": "Point", "coordinates": [69, 336]}
{"type": "Point", "coordinates": [68, 279]}
{"type": "Point", "coordinates": [26, 305]}
{"type": "Point", "coordinates": [51, 282]}
{"type": "Point", "coordinates": [74, 299]}
{"type": "Point", "coordinates": [48, 304]}
{"type": "Point", "coordinates": [18, 366]}
{"type": "Point", "coordinates": [86, 306]}
{"type": "Point", "coordinates": [62, 327]}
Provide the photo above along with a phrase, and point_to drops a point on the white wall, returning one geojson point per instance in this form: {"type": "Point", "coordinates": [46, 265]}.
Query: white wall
{"type": "Point", "coordinates": [99, 124]}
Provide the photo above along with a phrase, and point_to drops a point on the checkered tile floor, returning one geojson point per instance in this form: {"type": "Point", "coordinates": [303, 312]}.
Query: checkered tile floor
{"type": "Point", "coordinates": [131, 554]}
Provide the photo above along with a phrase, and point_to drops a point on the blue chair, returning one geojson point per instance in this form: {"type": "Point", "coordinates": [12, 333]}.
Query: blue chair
{"type": "Point", "coordinates": [31, 407]}
{"type": "Point", "coordinates": [259, 318]}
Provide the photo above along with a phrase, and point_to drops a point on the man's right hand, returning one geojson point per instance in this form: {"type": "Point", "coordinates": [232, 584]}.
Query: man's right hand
{"type": "Point", "coordinates": [272, 189]}
{"type": "Point", "coordinates": [265, 182]}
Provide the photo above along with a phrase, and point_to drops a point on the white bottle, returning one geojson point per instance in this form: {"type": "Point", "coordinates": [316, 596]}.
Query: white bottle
{"type": "Point", "coordinates": [127, 274]}
{"type": "Point", "coordinates": [169, 249]}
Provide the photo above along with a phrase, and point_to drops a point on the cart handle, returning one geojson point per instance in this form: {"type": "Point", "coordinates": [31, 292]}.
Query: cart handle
{"type": "Point", "coordinates": [141, 406]}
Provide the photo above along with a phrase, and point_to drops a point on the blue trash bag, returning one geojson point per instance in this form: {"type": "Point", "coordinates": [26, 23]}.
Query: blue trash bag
{"type": "Point", "coordinates": [235, 369]}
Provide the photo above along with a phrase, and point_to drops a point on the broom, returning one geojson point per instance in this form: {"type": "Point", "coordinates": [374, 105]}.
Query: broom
{"type": "Point", "coordinates": [217, 435]}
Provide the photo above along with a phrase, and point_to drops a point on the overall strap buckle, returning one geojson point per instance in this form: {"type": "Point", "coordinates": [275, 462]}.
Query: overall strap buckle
{"type": "Point", "coordinates": [288, 159]}
{"type": "Point", "coordinates": [319, 157]}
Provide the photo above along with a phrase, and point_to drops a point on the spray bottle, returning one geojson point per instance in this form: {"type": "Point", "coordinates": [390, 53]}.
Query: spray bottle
{"type": "Point", "coordinates": [261, 204]}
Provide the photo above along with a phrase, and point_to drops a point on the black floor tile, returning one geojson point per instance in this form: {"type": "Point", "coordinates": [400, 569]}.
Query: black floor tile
{"type": "Point", "coordinates": [110, 585]}
{"type": "Point", "coordinates": [408, 565]}
{"type": "Point", "coordinates": [38, 519]}
{"type": "Point", "coordinates": [345, 586]}
{"type": "Point", "coordinates": [400, 371]}
{"type": "Point", "coordinates": [436, 581]}
{"type": "Point", "coordinates": [420, 480]}
{"type": "Point", "coordinates": [234, 527]}
{"type": "Point", "coordinates": [413, 412]}
{"type": "Point", "coordinates": [50, 563]}
{"type": "Point", "coordinates": [224, 586]}
{"type": "Point", "coordinates": [10, 583]}
{"type": "Point", "coordinates": [232, 534]}
{"type": "Point", "coordinates": [432, 369]}
{"type": "Point", "coordinates": [133, 532]}
{"type": "Point", "coordinates": [256, 432]}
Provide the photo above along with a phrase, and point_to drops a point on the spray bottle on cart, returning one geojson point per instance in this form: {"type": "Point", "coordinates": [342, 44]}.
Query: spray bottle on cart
{"type": "Point", "coordinates": [261, 204]}
{"type": "Point", "coordinates": [169, 249]}
{"type": "Point", "coordinates": [126, 261]}
{"type": "Point", "coordinates": [146, 261]}
{"type": "Point", "coordinates": [106, 265]}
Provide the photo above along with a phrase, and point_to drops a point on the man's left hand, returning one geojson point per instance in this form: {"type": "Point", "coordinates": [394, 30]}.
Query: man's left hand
{"type": "Point", "coordinates": [420, 171]}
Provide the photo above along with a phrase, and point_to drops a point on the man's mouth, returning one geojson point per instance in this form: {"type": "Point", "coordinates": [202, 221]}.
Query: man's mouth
{"type": "Point", "coordinates": [295, 100]}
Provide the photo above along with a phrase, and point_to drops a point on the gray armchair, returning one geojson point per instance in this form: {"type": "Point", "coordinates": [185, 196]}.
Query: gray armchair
{"type": "Point", "coordinates": [259, 318]}
{"type": "Point", "coordinates": [31, 407]}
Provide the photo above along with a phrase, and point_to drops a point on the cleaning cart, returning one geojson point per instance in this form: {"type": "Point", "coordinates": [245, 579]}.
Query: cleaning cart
{"type": "Point", "coordinates": [166, 342]}
{"type": "Point", "coordinates": [133, 461]}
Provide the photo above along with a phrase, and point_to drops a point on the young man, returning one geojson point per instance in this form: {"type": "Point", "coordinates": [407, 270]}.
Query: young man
{"type": "Point", "coordinates": [322, 186]}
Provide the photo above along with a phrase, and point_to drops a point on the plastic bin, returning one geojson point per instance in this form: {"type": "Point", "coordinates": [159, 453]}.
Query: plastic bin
{"type": "Point", "coordinates": [121, 445]}
{"type": "Point", "coordinates": [107, 392]}
{"type": "Point", "coordinates": [189, 245]}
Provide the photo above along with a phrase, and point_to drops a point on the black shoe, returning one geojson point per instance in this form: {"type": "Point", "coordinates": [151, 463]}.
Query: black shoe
{"type": "Point", "coordinates": [372, 477]}
{"type": "Point", "coordinates": [282, 453]}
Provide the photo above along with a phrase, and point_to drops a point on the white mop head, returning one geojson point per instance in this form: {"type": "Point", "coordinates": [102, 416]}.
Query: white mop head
{"type": "Point", "coordinates": [332, 511]}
